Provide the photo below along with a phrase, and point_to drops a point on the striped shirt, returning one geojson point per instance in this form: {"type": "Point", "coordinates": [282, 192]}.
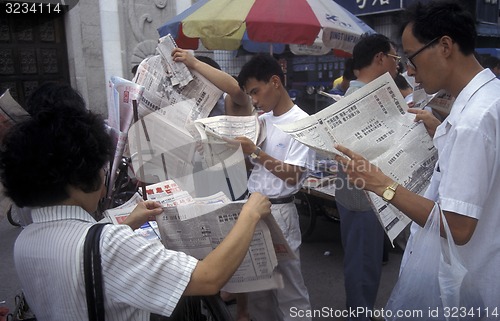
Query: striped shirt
{"type": "Point", "coordinates": [139, 276]}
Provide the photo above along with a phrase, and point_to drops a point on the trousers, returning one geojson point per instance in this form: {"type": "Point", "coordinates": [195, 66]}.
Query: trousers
{"type": "Point", "coordinates": [362, 238]}
{"type": "Point", "coordinates": [280, 304]}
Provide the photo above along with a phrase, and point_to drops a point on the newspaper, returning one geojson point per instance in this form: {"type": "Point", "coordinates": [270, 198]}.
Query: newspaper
{"type": "Point", "coordinates": [10, 112]}
{"type": "Point", "coordinates": [441, 101]}
{"type": "Point", "coordinates": [197, 227]}
{"type": "Point", "coordinates": [164, 147]}
{"type": "Point", "coordinates": [373, 122]}
{"type": "Point", "coordinates": [226, 128]}
{"type": "Point", "coordinates": [167, 82]}
{"type": "Point", "coordinates": [199, 235]}
{"type": "Point", "coordinates": [332, 96]}
{"type": "Point", "coordinates": [121, 95]}
{"type": "Point", "coordinates": [119, 214]}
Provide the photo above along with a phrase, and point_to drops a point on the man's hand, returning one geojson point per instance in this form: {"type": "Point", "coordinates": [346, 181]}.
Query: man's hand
{"type": "Point", "coordinates": [184, 56]}
{"type": "Point", "coordinates": [429, 120]}
{"type": "Point", "coordinates": [143, 212]}
{"type": "Point", "coordinates": [361, 172]}
{"type": "Point", "coordinates": [247, 145]}
{"type": "Point", "coordinates": [259, 204]}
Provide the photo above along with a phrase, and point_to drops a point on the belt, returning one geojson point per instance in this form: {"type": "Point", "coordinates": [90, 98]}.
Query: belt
{"type": "Point", "coordinates": [282, 200]}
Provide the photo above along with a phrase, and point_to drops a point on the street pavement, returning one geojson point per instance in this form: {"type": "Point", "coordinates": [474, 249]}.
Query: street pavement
{"type": "Point", "coordinates": [321, 257]}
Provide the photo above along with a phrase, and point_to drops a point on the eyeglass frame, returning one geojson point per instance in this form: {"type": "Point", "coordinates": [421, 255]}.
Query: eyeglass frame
{"type": "Point", "coordinates": [397, 58]}
{"type": "Point", "coordinates": [409, 59]}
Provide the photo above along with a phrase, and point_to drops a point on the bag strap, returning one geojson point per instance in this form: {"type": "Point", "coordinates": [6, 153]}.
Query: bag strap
{"type": "Point", "coordinates": [93, 273]}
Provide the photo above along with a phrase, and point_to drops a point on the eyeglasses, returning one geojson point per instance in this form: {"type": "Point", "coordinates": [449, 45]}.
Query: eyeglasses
{"type": "Point", "coordinates": [409, 59]}
{"type": "Point", "coordinates": [397, 58]}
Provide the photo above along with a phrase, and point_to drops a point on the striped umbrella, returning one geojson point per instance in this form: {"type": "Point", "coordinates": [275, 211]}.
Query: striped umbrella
{"type": "Point", "coordinates": [256, 25]}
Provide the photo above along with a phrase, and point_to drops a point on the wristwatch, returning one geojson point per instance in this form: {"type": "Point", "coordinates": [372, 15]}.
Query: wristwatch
{"type": "Point", "coordinates": [389, 192]}
{"type": "Point", "coordinates": [256, 153]}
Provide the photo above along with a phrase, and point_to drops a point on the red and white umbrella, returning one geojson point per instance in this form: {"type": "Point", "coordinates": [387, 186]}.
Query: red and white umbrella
{"type": "Point", "coordinates": [255, 24]}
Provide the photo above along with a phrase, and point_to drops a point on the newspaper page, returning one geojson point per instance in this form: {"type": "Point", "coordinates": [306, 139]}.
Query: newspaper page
{"type": "Point", "coordinates": [117, 215]}
{"type": "Point", "coordinates": [10, 112]}
{"type": "Point", "coordinates": [163, 147]}
{"type": "Point", "coordinates": [198, 236]}
{"type": "Point", "coordinates": [167, 82]}
{"type": "Point", "coordinates": [121, 95]}
{"type": "Point", "coordinates": [373, 122]}
{"type": "Point", "coordinates": [225, 128]}
{"type": "Point", "coordinates": [441, 101]}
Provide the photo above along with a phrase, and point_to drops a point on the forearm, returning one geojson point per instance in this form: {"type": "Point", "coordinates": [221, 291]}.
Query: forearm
{"type": "Point", "coordinates": [217, 268]}
{"type": "Point", "coordinates": [223, 81]}
{"type": "Point", "coordinates": [289, 173]}
{"type": "Point", "coordinates": [418, 208]}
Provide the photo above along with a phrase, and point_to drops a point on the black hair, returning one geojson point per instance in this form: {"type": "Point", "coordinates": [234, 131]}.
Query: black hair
{"type": "Point", "coordinates": [208, 61]}
{"type": "Point", "coordinates": [348, 72]}
{"type": "Point", "coordinates": [442, 18]}
{"type": "Point", "coordinates": [261, 67]}
{"type": "Point", "coordinates": [52, 150]}
{"type": "Point", "coordinates": [54, 95]}
{"type": "Point", "coordinates": [368, 46]}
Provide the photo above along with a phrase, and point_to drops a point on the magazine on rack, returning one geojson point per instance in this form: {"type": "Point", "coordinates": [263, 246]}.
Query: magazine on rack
{"type": "Point", "coordinates": [373, 122]}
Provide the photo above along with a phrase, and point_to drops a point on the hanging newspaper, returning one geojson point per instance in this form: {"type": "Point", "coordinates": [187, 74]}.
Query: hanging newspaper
{"type": "Point", "coordinates": [373, 122]}
{"type": "Point", "coordinates": [168, 82]}
{"type": "Point", "coordinates": [121, 94]}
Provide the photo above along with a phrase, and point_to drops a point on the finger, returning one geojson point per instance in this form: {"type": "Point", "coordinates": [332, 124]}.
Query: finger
{"type": "Point", "coordinates": [346, 151]}
{"type": "Point", "coordinates": [151, 205]}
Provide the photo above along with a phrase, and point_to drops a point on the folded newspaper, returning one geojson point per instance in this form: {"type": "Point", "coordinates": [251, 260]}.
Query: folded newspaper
{"type": "Point", "coordinates": [197, 225]}
{"type": "Point", "coordinates": [226, 128]}
{"type": "Point", "coordinates": [373, 122]}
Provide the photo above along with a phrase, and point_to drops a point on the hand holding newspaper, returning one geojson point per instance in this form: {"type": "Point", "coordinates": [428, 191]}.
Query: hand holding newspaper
{"type": "Point", "coordinates": [225, 128]}
{"type": "Point", "coordinates": [373, 122]}
{"type": "Point", "coordinates": [197, 225]}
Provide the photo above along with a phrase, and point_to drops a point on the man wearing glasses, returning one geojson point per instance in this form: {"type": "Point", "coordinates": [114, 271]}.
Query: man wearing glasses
{"type": "Point", "coordinates": [361, 233]}
{"type": "Point", "coordinates": [439, 39]}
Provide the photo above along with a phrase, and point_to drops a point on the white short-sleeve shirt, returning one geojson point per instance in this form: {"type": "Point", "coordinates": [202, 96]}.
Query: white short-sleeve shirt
{"type": "Point", "coordinates": [466, 179]}
{"type": "Point", "coordinates": [284, 148]}
{"type": "Point", "coordinates": [140, 276]}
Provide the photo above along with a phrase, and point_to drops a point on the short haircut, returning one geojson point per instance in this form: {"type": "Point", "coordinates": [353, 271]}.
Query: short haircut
{"type": "Point", "coordinates": [368, 46]}
{"type": "Point", "coordinates": [52, 150]}
{"type": "Point", "coordinates": [348, 72]}
{"type": "Point", "coordinates": [442, 18]}
{"type": "Point", "coordinates": [261, 67]}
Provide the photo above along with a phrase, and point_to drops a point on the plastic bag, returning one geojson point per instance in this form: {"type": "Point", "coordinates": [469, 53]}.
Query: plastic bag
{"type": "Point", "coordinates": [434, 284]}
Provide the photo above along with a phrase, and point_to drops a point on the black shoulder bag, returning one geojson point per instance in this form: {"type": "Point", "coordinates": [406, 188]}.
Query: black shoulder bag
{"type": "Point", "coordinates": [93, 273]}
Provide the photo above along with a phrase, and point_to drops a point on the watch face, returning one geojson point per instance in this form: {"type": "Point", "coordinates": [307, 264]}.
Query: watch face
{"type": "Point", "coordinates": [388, 194]}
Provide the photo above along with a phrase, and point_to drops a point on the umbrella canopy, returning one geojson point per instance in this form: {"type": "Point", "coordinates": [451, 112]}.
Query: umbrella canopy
{"type": "Point", "coordinates": [257, 24]}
